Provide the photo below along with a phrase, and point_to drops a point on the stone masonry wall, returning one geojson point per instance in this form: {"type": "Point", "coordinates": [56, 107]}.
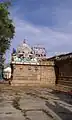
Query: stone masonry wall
{"type": "Point", "coordinates": [30, 75]}
{"type": "Point", "coordinates": [64, 72]}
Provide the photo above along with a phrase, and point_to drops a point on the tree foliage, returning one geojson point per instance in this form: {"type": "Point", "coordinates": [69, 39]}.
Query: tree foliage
{"type": "Point", "coordinates": [7, 28]}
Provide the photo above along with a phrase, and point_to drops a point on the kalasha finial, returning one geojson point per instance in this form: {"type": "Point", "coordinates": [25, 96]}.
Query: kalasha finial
{"type": "Point", "coordinates": [24, 41]}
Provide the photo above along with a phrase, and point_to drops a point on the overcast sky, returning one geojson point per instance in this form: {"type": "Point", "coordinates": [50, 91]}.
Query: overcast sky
{"type": "Point", "coordinates": [45, 22]}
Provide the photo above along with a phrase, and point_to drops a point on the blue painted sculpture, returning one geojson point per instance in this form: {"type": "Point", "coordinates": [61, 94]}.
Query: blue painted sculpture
{"type": "Point", "coordinates": [14, 50]}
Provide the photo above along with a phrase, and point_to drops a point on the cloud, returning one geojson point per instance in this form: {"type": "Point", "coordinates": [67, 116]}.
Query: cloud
{"type": "Point", "coordinates": [52, 40]}
{"type": "Point", "coordinates": [55, 39]}
{"type": "Point", "coordinates": [51, 13]}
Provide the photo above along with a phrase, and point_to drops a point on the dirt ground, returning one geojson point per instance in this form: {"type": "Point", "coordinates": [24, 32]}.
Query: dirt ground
{"type": "Point", "coordinates": [34, 104]}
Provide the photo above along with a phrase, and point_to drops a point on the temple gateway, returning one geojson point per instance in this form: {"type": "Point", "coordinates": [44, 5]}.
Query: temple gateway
{"type": "Point", "coordinates": [30, 67]}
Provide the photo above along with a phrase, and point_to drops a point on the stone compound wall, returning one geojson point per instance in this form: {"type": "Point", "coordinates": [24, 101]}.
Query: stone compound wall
{"type": "Point", "coordinates": [32, 75]}
{"type": "Point", "coordinates": [64, 72]}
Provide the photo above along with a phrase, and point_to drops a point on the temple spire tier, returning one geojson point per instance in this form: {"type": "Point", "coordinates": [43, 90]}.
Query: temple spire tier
{"type": "Point", "coordinates": [25, 53]}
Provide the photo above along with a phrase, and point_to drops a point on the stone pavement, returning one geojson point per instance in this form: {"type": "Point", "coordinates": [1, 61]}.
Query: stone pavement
{"type": "Point", "coordinates": [34, 104]}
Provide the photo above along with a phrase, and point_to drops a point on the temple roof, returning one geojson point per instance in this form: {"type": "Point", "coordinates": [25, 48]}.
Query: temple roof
{"type": "Point", "coordinates": [24, 47]}
{"type": "Point", "coordinates": [61, 57]}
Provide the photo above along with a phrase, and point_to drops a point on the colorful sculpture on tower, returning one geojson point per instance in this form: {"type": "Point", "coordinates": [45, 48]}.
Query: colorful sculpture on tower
{"type": "Point", "coordinates": [26, 54]}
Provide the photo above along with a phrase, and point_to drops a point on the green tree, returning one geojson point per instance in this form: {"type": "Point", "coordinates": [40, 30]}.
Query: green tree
{"type": "Point", "coordinates": [7, 28]}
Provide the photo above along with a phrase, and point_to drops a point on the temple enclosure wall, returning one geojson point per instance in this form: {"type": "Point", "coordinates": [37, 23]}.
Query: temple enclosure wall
{"type": "Point", "coordinates": [32, 75]}
{"type": "Point", "coordinates": [47, 73]}
{"type": "Point", "coordinates": [63, 70]}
